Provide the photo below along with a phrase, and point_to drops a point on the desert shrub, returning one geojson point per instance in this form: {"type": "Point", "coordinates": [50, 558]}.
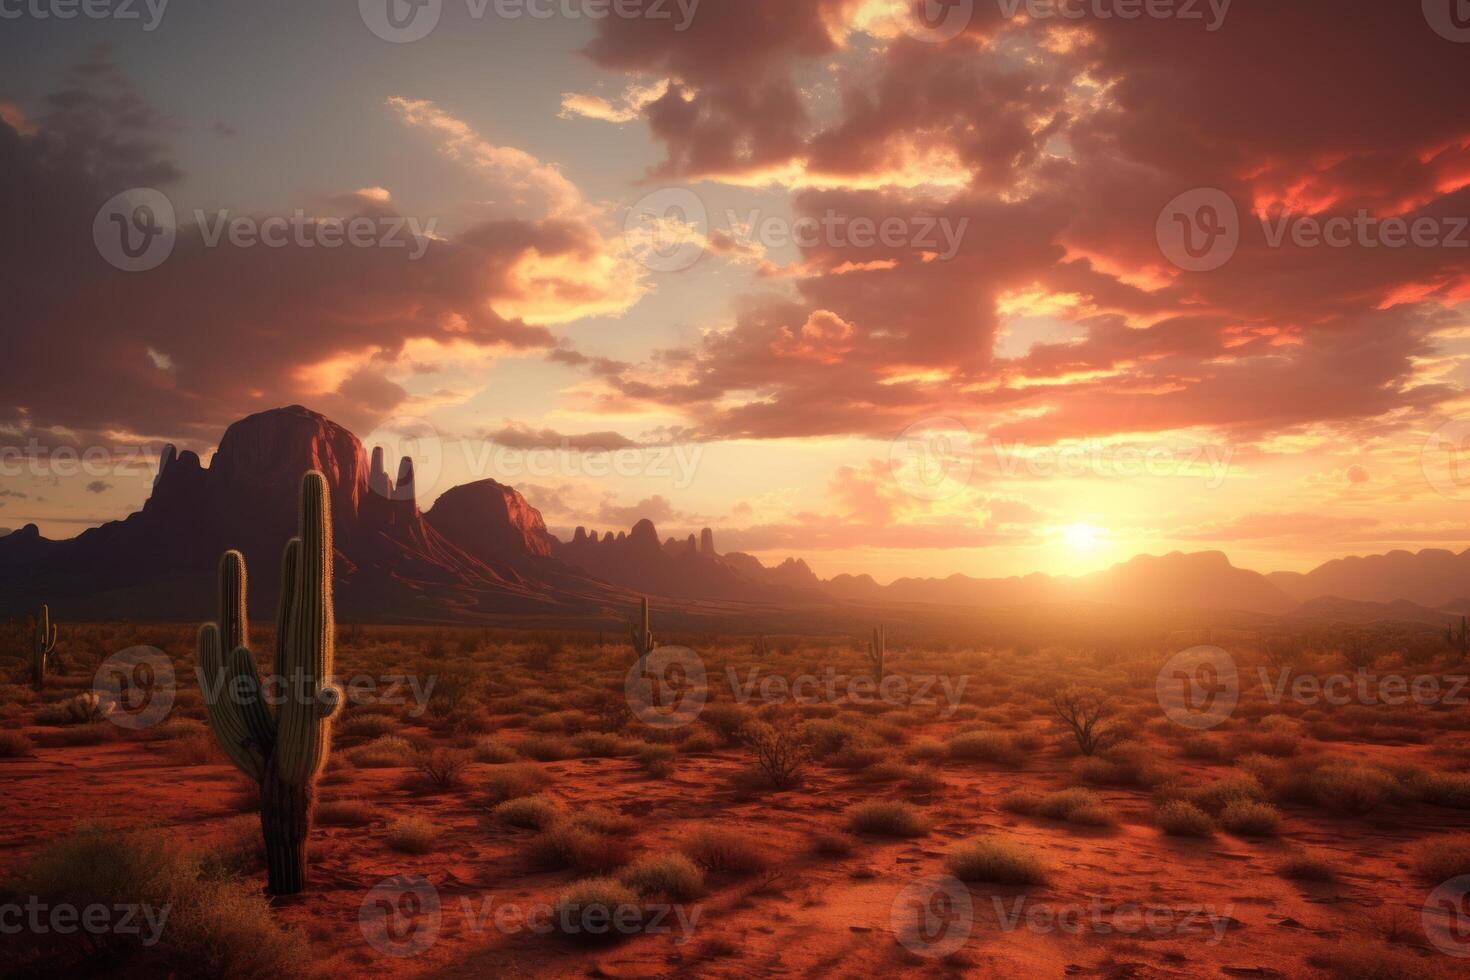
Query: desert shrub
{"type": "Point", "coordinates": [1443, 858]}
{"type": "Point", "coordinates": [701, 740]}
{"type": "Point", "coordinates": [545, 748]}
{"type": "Point", "coordinates": [1204, 747]}
{"type": "Point", "coordinates": [1077, 806]}
{"type": "Point", "coordinates": [657, 760]}
{"type": "Point", "coordinates": [995, 747]}
{"type": "Point", "coordinates": [594, 909]}
{"type": "Point", "coordinates": [1180, 818]}
{"type": "Point", "coordinates": [198, 749]}
{"type": "Point", "coordinates": [1250, 818]}
{"type": "Point", "coordinates": [727, 719]}
{"type": "Point", "coordinates": [365, 726]}
{"type": "Point", "coordinates": [1349, 788]}
{"type": "Point", "coordinates": [567, 845]}
{"type": "Point", "coordinates": [834, 845]}
{"type": "Point", "coordinates": [531, 812]}
{"type": "Point", "coordinates": [412, 835]}
{"type": "Point", "coordinates": [1088, 714]}
{"type": "Point", "coordinates": [887, 818]}
{"type": "Point", "coordinates": [494, 751]}
{"type": "Point", "coordinates": [517, 779]}
{"type": "Point", "coordinates": [779, 749]}
{"type": "Point", "coordinates": [927, 750]}
{"type": "Point", "coordinates": [14, 745]}
{"type": "Point", "coordinates": [998, 861]}
{"type": "Point", "coordinates": [442, 768]}
{"type": "Point", "coordinates": [344, 813]}
{"type": "Point", "coordinates": [600, 745]}
{"type": "Point", "coordinates": [671, 876]}
{"type": "Point", "coordinates": [601, 820]}
{"type": "Point", "coordinates": [1305, 868]}
{"type": "Point", "coordinates": [723, 851]}
{"type": "Point", "coordinates": [383, 753]}
{"type": "Point", "coordinates": [97, 733]}
{"type": "Point", "coordinates": [1214, 797]}
{"type": "Point", "coordinates": [216, 926]}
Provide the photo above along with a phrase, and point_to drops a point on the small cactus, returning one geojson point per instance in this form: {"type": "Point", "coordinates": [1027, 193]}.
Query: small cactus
{"type": "Point", "coordinates": [285, 750]}
{"type": "Point", "coordinates": [642, 636]}
{"type": "Point", "coordinates": [43, 641]}
{"type": "Point", "coordinates": [878, 652]}
{"type": "Point", "coordinates": [1459, 640]}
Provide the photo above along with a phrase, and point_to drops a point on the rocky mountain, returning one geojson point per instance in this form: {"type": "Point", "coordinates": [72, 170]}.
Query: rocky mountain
{"type": "Point", "coordinates": [1433, 577]}
{"type": "Point", "coordinates": [392, 564]}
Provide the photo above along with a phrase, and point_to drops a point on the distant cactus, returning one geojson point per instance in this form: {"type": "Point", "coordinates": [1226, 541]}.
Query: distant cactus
{"type": "Point", "coordinates": [1459, 640]}
{"type": "Point", "coordinates": [43, 641]}
{"type": "Point", "coordinates": [285, 750]}
{"type": "Point", "coordinates": [642, 636]}
{"type": "Point", "coordinates": [878, 652]}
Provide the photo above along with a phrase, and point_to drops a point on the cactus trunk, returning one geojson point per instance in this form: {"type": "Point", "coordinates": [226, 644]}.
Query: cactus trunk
{"type": "Point", "coordinates": [641, 634]}
{"type": "Point", "coordinates": [42, 643]}
{"type": "Point", "coordinates": [285, 750]}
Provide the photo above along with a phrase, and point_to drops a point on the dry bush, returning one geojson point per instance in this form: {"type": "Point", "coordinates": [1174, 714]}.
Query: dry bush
{"type": "Point", "coordinates": [727, 719]}
{"type": "Point", "coordinates": [672, 877]}
{"type": "Point", "coordinates": [1087, 713]}
{"type": "Point", "coordinates": [1442, 858]}
{"type": "Point", "coordinates": [513, 780]}
{"type": "Point", "coordinates": [441, 768]}
{"type": "Point", "coordinates": [601, 820]}
{"type": "Point", "coordinates": [779, 749]}
{"type": "Point", "coordinates": [567, 845]}
{"type": "Point", "coordinates": [726, 852]}
{"type": "Point", "coordinates": [365, 726]}
{"type": "Point", "coordinates": [1179, 818]}
{"type": "Point", "coordinates": [494, 751]}
{"type": "Point", "coordinates": [14, 745]}
{"type": "Point", "coordinates": [657, 760]}
{"type": "Point", "coordinates": [547, 748]}
{"type": "Point", "coordinates": [887, 818]}
{"type": "Point", "coordinates": [832, 845]}
{"type": "Point", "coordinates": [1250, 818]}
{"type": "Point", "coordinates": [996, 860]}
{"type": "Point", "coordinates": [1303, 867]}
{"type": "Point", "coordinates": [384, 753]}
{"type": "Point", "coordinates": [996, 747]}
{"type": "Point", "coordinates": [586, 909]}
{"type": "Point", "coordinates": [530, 812]}
{"type": "Point", "coordinates": [412, 835]}
{"type": "Point", "coordinates": [1075, 806]}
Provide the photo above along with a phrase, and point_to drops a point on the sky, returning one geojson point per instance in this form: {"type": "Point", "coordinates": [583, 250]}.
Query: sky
{"type": "Point", "coordinates": [910, 289]}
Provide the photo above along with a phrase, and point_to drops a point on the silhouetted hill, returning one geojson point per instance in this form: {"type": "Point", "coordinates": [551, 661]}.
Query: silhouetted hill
{"type": "Point", "coordinates": [1430, 578]}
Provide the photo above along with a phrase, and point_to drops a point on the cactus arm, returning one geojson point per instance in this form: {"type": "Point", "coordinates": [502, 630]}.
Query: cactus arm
{"type": "Point", "coordinates": [640, 632]}
{"type": "Point", "coordinates": [223, 707]}
{"type": "Point", "coordinates": [290, 558]}
{"type": "Point", "coordinates": [234, 622]}
{"type": "Point", "coordinates": [303, 728]}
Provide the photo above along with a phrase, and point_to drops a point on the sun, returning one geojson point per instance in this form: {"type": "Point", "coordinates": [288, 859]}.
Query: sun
{"type": "Point", "coordinates": [1082, 537]}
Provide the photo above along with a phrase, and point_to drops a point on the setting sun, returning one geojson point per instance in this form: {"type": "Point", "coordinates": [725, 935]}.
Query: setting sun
{"type": "Point", "coordinates": [1083, 537]}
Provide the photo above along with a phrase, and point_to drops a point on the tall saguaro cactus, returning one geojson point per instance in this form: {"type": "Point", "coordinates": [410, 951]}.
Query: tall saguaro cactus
{"type": "Point", "coordinates": [642, 635]}
{"type": "Point", "coordinates": [43, 641]}
{"type": "Point", "coordinates": [283, 750]}
{"type": "Point", "coordinates": [878, 652]}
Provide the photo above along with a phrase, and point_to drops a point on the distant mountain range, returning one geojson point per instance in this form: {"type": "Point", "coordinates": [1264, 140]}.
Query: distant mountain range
{"type": "Point", "coordinates": [483, 554]}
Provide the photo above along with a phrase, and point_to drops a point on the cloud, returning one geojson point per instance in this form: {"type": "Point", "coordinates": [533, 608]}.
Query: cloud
{"type": "Point", "coordinates": [523, 437]}
{"type": "Point", "coordinates": [98, 486]}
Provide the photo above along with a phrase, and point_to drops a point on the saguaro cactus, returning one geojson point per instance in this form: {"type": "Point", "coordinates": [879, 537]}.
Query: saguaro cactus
{"type": "Point", "coordinates": [283, 750]}
{"type": "Point", "coordinates": [878, 652]}
{"type": "Point", "coordinates": [642, 636]}
{"type": "Point", "coordinates": [43, 641]}
{"type": "Point", "coordinates": [1459, 641]}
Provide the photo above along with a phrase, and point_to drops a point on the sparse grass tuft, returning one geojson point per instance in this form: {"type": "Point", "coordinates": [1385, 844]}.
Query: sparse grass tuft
{"type": "Point", "coordinates": [998, 861]}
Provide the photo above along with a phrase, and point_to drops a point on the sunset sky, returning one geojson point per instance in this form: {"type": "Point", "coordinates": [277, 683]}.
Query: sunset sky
{"type": "Point", "coordinates": [609, 261]}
